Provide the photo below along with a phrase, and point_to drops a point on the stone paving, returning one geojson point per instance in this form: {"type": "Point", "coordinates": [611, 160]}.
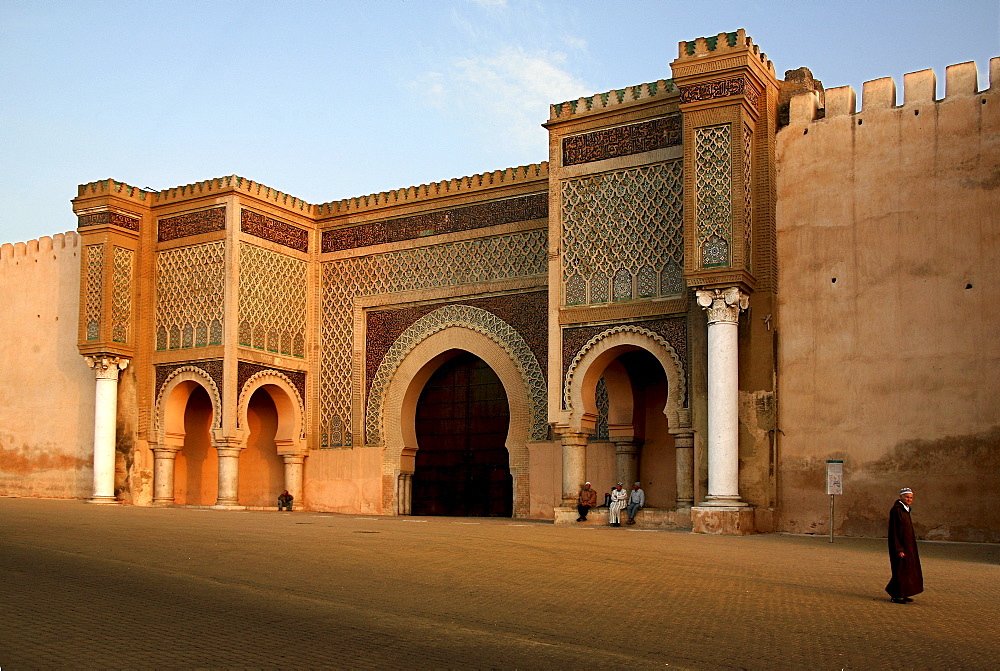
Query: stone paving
{"type": "Point", "coordinates": [87, 586]}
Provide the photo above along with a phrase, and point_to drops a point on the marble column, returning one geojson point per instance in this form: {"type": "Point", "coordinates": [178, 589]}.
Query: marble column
{"type": "Point", "coordinates": [574, 466]}
{"type": "Point", "coordinates": [684, 459]}
{"type": "Point", "coordinates": [229, 470]}
{"type": "Point", "coordinates": [404, 494]}
{"type": "Point", "coordinates": [293, 477]}
{"type": "Point", "coordinates": [105, 424]}
{"type": "Point", "coordinates": [626, 460]}
{"type": "Point", "coordinates": [164, 460]}
{"type": "Point", "coordinates": [723, 307]}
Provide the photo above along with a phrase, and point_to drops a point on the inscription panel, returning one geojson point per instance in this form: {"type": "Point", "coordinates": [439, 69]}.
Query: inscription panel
{"type": "Point", "coordinates": [622, 141]}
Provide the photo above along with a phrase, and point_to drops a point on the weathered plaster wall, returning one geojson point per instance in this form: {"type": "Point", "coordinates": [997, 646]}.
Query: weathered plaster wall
{"type": "Point", "coordinates": [889, 305]}
{"type": "Point", "coordinates": [46, 389]}
{"type": "Point", "coordinates": [344, 481]}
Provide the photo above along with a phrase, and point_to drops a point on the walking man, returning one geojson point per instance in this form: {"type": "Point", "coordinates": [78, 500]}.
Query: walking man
{"type": "Point", "coordinates": [907, 579]}
{"type": "Point", "coordinates": [618, 497]}
{"type": "Point", "coordinates": [636, 502]}
{"type": "Point", "coordinates": [586, 501]}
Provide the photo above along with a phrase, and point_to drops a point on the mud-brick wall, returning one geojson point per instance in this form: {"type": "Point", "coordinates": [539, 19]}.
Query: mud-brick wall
{"type": "Point", "coordinates": [889, 308]}
{"type": "Point", "coordinates": [46, 389]}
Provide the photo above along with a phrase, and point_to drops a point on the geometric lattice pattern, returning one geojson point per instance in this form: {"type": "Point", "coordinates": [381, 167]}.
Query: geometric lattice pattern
{"type": "Point", "coordinates": [189, 296]}
{"type": "Point", "coordinates": [713, 183]}
{"type": "Point", "coordinates": [621, 232]}
{"type": "Point", "coordinates": [92, 315]}
{"type": "Point", "coordinates": [747, 198]}
{"type": "Point", "coordinates": [272, 301]}
{"type": "Point", "coordinates": [121, 296]}
{"type": "Point", "coordinates": [603, 407]}
{"type": "Point", "coordinates": [478, 260]}
{"type": "Point", "coordinates": [474, 319]}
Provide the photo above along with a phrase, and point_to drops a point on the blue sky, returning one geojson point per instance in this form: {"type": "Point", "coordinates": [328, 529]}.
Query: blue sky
{"type": "Point", "coordinates": [328, 100]}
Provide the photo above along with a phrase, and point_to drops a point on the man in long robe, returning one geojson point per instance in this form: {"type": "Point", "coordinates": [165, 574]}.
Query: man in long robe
{"type": "Point", "coordinates": [907, 578]}
{"type": "Point", "coordinates": [618, 497]}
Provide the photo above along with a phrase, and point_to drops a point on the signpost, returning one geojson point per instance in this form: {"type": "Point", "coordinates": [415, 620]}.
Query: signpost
{"type": "Point", "coordinates": [834, 484]}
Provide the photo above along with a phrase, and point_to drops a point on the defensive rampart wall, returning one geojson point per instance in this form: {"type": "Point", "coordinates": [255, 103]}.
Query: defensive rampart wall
{"type": "Point", "coordinates": [889, 304]}
{"type": "Point", "coordinates": [46, 389]}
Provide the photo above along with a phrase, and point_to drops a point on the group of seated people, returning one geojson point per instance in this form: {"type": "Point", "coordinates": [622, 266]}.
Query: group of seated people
{"type": "Point", "coordinates": [614, 501]}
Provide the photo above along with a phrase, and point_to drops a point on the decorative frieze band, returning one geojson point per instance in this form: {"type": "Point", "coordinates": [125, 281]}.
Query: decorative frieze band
{"type": "Point", "coordinates": [722, 88]}
{"type": "Point", "coordinates": [622, 140]}
{"type": "Point", "coordinates": [108, 218]}
{"type": "Point", "coordinates": [276, 231]}
{"type": "Point", "coordinates": [481, 215]}
{"type": "Point", "coordinates": [192, 223]}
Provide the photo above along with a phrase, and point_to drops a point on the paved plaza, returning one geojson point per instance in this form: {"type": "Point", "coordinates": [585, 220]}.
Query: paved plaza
{"type": "Point", "coordinates": [88, 586]}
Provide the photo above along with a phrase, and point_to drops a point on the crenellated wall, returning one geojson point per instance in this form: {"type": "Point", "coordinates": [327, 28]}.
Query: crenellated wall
{"type": "Point", "coordinates": [46, 389]}
{"type": "Point", "coordinates": [889, 305]}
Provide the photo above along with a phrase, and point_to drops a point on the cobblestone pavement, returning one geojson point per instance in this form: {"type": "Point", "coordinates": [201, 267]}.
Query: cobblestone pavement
{"type": "Point", "coordinates": [87, 586]}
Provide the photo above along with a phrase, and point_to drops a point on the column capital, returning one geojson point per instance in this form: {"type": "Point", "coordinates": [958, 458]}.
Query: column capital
{"type": "Point", "coordinates": [723, 305]}
{"type": "Point", "coordinates": [293, 458]}
{"type": "Point", "coordinates": [105, 366]}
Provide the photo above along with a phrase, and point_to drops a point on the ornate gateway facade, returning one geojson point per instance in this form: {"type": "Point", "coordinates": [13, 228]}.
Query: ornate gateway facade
{"type": "Point", "coordinates": [484, 345]}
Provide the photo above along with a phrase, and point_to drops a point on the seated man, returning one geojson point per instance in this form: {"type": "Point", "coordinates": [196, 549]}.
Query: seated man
{"type": "Point", "coordinates": [636, 501]}
{"type": "Point", "coordinates": [586, 501]}
{"type": "Point", "coordinates": [285, 501]}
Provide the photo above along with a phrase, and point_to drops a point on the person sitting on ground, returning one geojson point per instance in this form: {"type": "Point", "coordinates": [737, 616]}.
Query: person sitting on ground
{"type": "Point", "coordinates": [285, 501]}
{"type": "Point", "coordinates": [618, 497]}
{"type": "Point", "coordinates": [587, 500]}
{"type": "Point", "coordinates": [636, 502]}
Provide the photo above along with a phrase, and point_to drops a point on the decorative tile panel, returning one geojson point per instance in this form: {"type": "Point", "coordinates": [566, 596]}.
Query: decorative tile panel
{"type": "Point", "coordinates": [603, 402]}
{"type": "Point", "coordinates": [273, 230]}
{"type": "Point", "coordinates": [121, 295]}
{"type": "Point", "coordinates": [620, 226]}
{"type": "Point", "coordinates": [108, 218]}
{"type": "Point", "coordinates": [478, 260]}
{"type": "Point", "coordinates": [722, 88]}
{"type": "Point", "coordinates": [622, 140]}
{"type": "Point", "coordinates": [189, 295]}
{"type": "Point", "coordinates": [473, 319]}
{"type": "Point", "coordinates": [527, 313]}
{"type": "Point", "coordinates": [245, 370]}
{"type": "Point", "coordinates": [211, 367]}
{"type": "Point", "coordinates": [673, 330]}
{"type": "Point", "coordinates": [193, 223]}
{"type": "Point", "coordinates": [713, 184]}
{"type": "Point", "coordinates": [93, 299]}
{"type": "Point", "coordinates": [481, 215]}
{"type": "Point", "coordinates": [272, 301]}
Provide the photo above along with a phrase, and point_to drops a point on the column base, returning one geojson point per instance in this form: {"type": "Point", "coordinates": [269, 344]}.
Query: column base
{"type": "Point", "coordinates": [104, 500]}
{"type": "Point", "coordinates": [228, 505]}
{"type": "Point", "coordinates": [162, 503]}
{"type": "Point", "coordinates": [722, 520]}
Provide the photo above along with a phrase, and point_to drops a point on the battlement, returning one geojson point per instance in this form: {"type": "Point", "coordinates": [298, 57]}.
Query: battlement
{"type": "Point", "coordinates": [918, 88]}
{"type": "Point", "coordinates": [207, 187]}
{"type": "Point", "coordinates": [721, 44]}
{"type": "Point", "coordinates": [470, 183]}
{"type": "Point", "coordinates": [661, 88]}
{"type": "Point", "coordinates": [57, 243]}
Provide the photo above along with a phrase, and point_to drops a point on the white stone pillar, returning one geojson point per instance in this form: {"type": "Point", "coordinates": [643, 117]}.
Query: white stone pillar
{"type": "Point", "coordinates": [164, 460]}
{"type": "Point", "coordinates": [105, 424]}
{"type": "Point", "coordinates": [723, 307]}
{"type": "Point", "coordinates": [229, 470]}
{"type": "Point", "coordinates": [574, 466]}
{"type": "Point", "coordinates": [293, 476]}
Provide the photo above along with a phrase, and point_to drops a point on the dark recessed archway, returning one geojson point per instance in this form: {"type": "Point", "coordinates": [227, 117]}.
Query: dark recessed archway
{"type": "Point", "coordinates": [462, 463]}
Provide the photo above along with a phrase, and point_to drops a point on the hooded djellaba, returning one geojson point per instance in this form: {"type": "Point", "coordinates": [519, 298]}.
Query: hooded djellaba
{"type": "Point", "coordinates": [907, 578]}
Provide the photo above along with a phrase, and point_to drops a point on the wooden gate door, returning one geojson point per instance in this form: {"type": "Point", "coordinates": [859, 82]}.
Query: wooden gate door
{"type": "Point", "coordinates": [462, 464]}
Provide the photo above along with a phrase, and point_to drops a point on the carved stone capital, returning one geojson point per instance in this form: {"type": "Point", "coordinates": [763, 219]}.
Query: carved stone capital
{"type": "Point", "coordinates": [106, 367]}
{"type": "Point", "coordinates": [723, 305]}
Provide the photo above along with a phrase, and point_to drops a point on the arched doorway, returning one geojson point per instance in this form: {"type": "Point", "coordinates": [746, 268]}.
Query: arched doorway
{"type": "Point", "coordinates": [462, 465]}
{"type": "Point", "coordinates": [262, 476]}
{"type": "Point", "coordinates": [196, 468]}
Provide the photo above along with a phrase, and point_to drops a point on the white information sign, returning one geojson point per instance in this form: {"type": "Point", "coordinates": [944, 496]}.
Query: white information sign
{"type": "Point", "coordinates": [834, 477]}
